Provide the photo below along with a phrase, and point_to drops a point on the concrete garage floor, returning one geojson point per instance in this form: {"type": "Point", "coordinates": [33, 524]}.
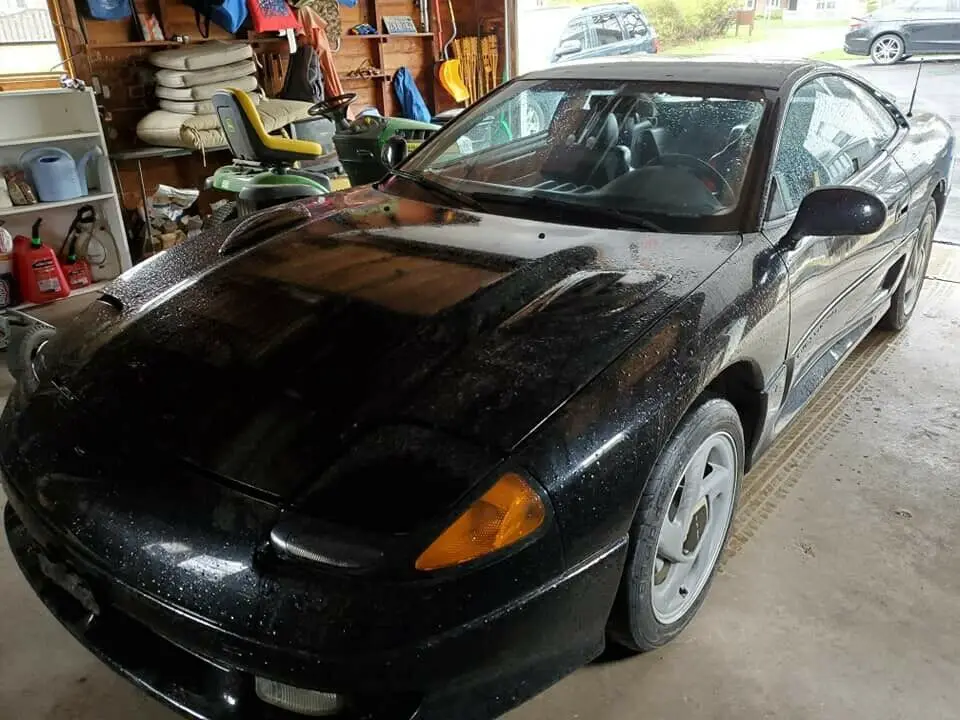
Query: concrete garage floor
{"type": "Point", "coordinates": [838, 597]}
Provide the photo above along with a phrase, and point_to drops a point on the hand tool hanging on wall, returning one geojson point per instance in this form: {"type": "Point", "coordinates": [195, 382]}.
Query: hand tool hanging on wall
{"type": "Point", "coordinates": [451, 78]}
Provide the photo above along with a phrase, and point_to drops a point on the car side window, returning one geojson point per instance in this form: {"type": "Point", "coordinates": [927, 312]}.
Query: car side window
{"type": "Point", "coordinates": [608, 29]}
{"type": "Point", "coordinates": [634, 25]}
{"type": "Point", "coordinates": [879, 123]}
{"type": "Point", "coordinates": [831, 130]}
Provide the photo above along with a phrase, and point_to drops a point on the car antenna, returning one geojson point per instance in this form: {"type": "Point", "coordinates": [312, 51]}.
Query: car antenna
{"type": "Point", "coordinates": [916, 83]}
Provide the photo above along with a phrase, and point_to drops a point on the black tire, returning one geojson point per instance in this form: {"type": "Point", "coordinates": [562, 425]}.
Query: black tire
{"type": "Point", "coordinates": [20, 362]}
{"type": "Point", "coordinates": [887, 49]}
{"type": "Point", "coordinates": [633, 622]}
{"type": "Point", "coordinates": [903, 303]}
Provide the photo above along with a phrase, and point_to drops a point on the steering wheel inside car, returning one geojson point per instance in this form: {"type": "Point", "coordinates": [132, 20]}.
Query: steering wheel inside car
{"type": "Point", "coordinates": [707, 174]}
{"type": "Point", "coordinates": [334, 108]}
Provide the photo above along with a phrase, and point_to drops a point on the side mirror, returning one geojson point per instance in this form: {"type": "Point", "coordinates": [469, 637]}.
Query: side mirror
{"type": "Point", "coordinates": [836, 211]}
{"type": "Point", "coordinates": [393, 152]}
{"type": "Point", "coordinates": [569, 47]}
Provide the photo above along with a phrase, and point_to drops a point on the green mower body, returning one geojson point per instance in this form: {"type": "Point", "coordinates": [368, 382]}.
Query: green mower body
{"type": "Point", "coordinates": [359, 145]}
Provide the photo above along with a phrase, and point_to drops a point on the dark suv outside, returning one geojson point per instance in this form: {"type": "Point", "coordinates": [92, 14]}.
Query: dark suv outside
{"type": "Point", "coordinates": [604, 30]}
{"type": "Point", "coordinates": [909, 27]}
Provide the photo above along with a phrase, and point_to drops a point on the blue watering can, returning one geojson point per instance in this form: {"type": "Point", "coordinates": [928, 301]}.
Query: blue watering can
{"type": "Point", "coordinates": [55, 174]}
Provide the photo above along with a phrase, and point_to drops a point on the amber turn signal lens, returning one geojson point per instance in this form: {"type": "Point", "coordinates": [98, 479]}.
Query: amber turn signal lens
{"type": "Point", "coordinates": [507, 512]}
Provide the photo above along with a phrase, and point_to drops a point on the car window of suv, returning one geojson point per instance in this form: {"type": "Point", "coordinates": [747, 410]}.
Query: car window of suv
{"type": "Point", "coordinates": [634, 25]}
{"type": "Point", "coordinates": [576, 30]}
{"type": "Point", "coordinates": [608, 29]}
{"type": "Point", "coordinates": [930, 6]}
{"type": "Point", "coordinates": [831, 130]}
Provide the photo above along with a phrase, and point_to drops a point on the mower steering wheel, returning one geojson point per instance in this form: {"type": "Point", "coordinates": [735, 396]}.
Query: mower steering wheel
{"type": "Point", "coordinates": [334, 108]}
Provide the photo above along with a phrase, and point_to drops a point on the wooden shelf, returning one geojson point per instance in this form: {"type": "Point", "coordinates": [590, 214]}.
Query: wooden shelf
{"type": "Point", "coordinates": [386, 36]}
{"type": "Point", "coordinates": [44, 206]}
{"type": "Point", "coordinates": [356, 78]}
{"type": "Point", "coordinates": [94, 287]}
{"type": "Point", "coordinates": [174, 43]}
{"type": "Point", "coordinates": [49, 138]}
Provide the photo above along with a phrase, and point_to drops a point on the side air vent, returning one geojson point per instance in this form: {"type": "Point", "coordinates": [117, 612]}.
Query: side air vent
{"type": "Point", "coordinates": [263, 226]}
{"type": "Point", "coordinates": [112, 301]}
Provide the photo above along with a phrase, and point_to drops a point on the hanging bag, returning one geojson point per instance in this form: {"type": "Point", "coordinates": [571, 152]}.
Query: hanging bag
{"type": "Point", "coordinates": [109, 9]}
{"type": "Point", "coordinates": [272, 16]}
{"type": "Point", "coordinates": [228, 14]}
{"type": "Point", "coordinates": [409, 97]}
{"type": "Point", "coordinates": [304, 79]}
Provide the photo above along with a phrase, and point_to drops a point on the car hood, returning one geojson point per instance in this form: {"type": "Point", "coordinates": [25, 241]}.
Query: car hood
{"type": "Point", "coordinates": [265, 363]}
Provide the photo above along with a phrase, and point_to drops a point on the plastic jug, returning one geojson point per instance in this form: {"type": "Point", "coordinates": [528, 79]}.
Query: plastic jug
{"type": "Point", "coordinates": [37, 271]}
{"type": "Point", "coordinates": [55, 174]}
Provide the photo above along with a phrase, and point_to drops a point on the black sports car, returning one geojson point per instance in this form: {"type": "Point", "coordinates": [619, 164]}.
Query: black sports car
{"type": "Point", "coordinates": [422, 448]}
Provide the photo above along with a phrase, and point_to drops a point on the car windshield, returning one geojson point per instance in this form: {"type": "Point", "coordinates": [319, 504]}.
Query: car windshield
{"type": "Point", "coordinates": [673, 156]}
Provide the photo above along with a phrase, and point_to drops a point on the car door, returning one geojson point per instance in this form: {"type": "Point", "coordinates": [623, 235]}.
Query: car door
{"type": "Point", "coordinates": [952, 28]}
{"type": "Point", "coordinates": [829, 137]}
{"type": "Point", "coordinates": [928, 27]}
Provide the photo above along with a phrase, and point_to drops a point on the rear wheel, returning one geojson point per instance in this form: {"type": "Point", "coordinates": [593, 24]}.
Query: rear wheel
{"type": "Point", "coordinates": [886, 49]}
{"type": "Point", "coordinates": [904, 300]}
{"type": "Point", "coordinates": [681, 527]}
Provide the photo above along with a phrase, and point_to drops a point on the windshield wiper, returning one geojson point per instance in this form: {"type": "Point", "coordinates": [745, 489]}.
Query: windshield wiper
{"type": "Point", "coordinates": [438, 188]}
{"type": "Point", "coordinates": [627, 219]}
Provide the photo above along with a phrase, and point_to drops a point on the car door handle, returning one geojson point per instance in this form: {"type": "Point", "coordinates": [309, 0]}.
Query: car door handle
{"type": "Point", "coordinates": [902, 213]}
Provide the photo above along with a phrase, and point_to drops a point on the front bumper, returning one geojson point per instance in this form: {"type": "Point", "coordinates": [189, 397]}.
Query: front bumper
{"type": "Point", "coordinates": [478, 670]}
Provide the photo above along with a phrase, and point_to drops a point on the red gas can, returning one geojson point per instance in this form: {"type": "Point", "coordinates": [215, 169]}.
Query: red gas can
{"type": "Point", "coordinates": [37, 270]}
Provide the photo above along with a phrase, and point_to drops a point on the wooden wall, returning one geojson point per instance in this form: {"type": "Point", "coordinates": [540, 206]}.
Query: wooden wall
{"type": "Point", "coordinates": [110, 56]}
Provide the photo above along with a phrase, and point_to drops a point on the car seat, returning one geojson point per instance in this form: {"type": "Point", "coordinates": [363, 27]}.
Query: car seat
{"type": "Point", "coordinates": [250, 143]}
{"type": "Point", "coordinates": [595, 162]}
{"type": "Point", "coordinates": [643, 145]}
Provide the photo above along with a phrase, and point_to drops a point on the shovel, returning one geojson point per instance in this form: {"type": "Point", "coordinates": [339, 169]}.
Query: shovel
{"type": "Point", "coordinates": [450, 76]}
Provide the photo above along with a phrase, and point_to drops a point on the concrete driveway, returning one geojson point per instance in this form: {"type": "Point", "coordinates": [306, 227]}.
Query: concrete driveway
{"type": "Point", "coordinates": [839, 597]}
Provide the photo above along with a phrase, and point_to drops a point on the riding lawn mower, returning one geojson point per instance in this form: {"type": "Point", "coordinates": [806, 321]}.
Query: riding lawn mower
{"type": "Point", "coordinates": [269, 170]}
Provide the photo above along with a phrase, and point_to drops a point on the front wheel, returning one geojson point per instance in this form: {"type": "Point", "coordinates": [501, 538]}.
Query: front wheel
{"type": "Point", "coordinates": [904, 300]}
{"type": "Point", "coordinates": [886, 49]}
{"type": "Point", "coordinates": [681, 527]}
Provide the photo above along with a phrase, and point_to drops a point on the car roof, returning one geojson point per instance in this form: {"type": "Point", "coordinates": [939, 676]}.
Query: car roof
{"type": "Point", "coordinates": [773, 73]}
{"type": "Point", "coordinates": [608, 7]}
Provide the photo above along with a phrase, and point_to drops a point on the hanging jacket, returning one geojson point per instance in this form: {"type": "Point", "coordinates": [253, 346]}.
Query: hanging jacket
{"type": "Point", "coordinates": [315, 35]}
{"type": "Point", "coordinates": [409, 97]}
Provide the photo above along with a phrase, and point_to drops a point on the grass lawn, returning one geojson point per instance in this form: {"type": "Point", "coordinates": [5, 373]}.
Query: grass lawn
{"type": "Point", "coordinates": [836, 54]}
{"type": "Point", "coordinates": [763, 31]}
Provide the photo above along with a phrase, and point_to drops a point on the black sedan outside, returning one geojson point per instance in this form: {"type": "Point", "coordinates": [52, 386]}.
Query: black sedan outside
{"type": "Point", "coordinates": [420, 449]}
{"type": "Point", "coordinates": [909, 27]}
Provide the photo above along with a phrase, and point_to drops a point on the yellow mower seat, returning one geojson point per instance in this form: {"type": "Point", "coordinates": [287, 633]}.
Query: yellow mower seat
{"type": "Point", "coordinates": [249, 140]}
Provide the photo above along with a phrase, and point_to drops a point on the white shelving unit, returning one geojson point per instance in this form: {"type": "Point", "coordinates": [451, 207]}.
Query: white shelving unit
{"type": "Point", "coordinates": [45, 206]}
{"type": "Point", "coordinates": [34, 140]}
{"type": "Point", "coordinates": [66, 119]}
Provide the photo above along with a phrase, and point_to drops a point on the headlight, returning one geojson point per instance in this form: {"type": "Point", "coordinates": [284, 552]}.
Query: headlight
{"type": "Point", "coordinates": [509, 511]}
